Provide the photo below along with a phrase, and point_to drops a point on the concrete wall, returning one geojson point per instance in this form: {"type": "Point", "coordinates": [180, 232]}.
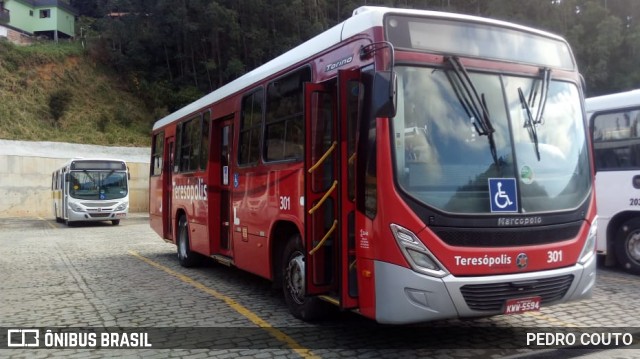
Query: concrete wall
{"type": "Point", "coordinates": [26, 167]}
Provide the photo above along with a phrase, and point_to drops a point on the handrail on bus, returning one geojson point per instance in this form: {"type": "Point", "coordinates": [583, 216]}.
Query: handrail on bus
{"type": "Point", "coordinates": [326, 236]}
{"type": "Point", "coordinates": [324, 198]}
{"type": "Point", "coordinates": [324, 157]}
{"type": "Point", "coordinates": [352, 158]}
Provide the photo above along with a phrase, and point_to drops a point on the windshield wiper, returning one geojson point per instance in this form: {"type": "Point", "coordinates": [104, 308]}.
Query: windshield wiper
{"type": "Point", "coordinates": [531, 122]}
{"type": "Point", "coordinates": [473, 104]}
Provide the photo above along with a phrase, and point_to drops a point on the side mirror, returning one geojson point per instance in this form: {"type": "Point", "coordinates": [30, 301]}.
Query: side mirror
{"type": "Point", "coordinates": [66, 177]}
{"type": "Point", "coordinates": [384, 94]}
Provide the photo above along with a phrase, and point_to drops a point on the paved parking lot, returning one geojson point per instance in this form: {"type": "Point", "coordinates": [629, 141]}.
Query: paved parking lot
{"type": "Point", "coordinates": [103, 278]}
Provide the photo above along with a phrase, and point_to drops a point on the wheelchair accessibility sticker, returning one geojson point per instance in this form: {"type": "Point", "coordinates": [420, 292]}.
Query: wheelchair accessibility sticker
{"type": "Point", "coordinates": [502, 192]}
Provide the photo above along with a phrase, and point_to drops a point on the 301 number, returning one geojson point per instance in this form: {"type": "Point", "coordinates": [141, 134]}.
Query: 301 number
{"type": "Point", "coordinates": [554, 256]}
{"type": "Point", "coordinates": [285, 203]}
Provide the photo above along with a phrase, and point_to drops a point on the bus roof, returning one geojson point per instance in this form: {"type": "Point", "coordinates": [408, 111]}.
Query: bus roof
{"type": "Point", "coordinates": [612, 101]}
{"type": "Point", "coordinates": [365, 17]}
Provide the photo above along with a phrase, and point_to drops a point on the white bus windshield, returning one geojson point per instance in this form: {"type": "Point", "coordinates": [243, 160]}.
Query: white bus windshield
{"type": "Point", "coordinates": [98, 185]}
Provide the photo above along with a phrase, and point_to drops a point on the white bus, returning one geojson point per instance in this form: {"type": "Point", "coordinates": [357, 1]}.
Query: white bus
{"type": "Point", "coordinates": [91, 190]}
{"type": "Point", "coordinates": [615, 127]}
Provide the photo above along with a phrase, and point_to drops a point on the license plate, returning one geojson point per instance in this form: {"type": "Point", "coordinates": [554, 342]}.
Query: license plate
{"type": "Point", "coordinates": [521, 305]}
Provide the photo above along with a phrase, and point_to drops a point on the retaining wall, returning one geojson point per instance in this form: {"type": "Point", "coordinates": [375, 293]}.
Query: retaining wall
{"type": "Point", "coordinates": [26, 167]}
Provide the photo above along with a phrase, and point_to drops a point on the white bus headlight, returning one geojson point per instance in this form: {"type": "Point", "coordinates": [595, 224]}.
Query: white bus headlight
{"type": "Point", "coordinates": [76, 207]}
{"type": "Point", "coordinates": [416, 253]}
{"type": "Point", "coordinates": [122, 206]}
{"type": "Point", "coordinates": [590, 245]}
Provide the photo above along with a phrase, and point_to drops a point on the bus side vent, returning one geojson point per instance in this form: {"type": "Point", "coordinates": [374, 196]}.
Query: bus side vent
{"type": "Point", "coordinates": [491, 297]}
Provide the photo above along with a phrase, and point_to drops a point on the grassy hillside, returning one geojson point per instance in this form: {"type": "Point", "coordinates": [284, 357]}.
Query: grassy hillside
{"type": "Point", "coordinates": [93, 106]}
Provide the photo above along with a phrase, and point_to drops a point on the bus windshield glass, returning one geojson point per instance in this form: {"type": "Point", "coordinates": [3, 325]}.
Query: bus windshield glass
{"type": "Point", "coordinates": [477, 40]}
{"type": "Point", "coordinates": [443, 160]}
{"type": "Point", "coordinates": [98, 185]}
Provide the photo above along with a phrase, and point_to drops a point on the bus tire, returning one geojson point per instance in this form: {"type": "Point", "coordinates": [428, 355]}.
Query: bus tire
{"type": "Point", "coordinates": [627, 246]}
{"type": "Point", "coordinates": [186, 257]}
{"type": "Point", "coordinates": [115, 222]}
{"type": "Point", "coordinates": [293, 283]}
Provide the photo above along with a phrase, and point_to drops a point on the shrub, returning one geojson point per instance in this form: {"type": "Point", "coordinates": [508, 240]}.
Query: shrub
{"type": "Point", "coordinates": [58, 104]}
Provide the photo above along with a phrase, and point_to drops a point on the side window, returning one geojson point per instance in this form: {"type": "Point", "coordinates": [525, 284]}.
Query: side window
{"type": "Point", "coordinates": [157, 153]}
{"type": "Point", "coordinates": [250, 128]}
{"type": "Point", "coordinates": [189, 147]}
{"type": "Point", "coordinates": [204, 155]}
{"type": "Point", "coordinates": [616, 139]}
{"type": "Point", "coordinates": [284, 129]}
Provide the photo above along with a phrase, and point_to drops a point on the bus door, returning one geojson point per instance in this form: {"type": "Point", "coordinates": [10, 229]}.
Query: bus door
{"type": "Point", "coordinates": [219, 188]}
{"type": "Point", "coordinates": [167, 187]}
{"type": "Point", "coordinates": [64, 192]}
{"type": "Point", "coordinates": [329, 189]}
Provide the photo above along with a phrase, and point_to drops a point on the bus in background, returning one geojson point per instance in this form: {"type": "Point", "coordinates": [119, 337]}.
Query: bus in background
{"type": "Point", "coordinates": [91, 190]}
{"type": "Point", "coordinates": [407, 165]}
{"type": "Point", "coordinates": [614, 122]}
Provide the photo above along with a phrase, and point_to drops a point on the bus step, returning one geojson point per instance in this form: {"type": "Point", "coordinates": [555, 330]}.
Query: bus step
{"type": "Point", "coordinates": [331, 299]}
{"type": "Point", "coordinates": [223, 259]}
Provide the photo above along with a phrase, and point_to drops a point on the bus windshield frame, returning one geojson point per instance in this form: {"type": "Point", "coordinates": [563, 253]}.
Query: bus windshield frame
{"type": "Point", "coordinates": [98, 185]}
{"type": "Point", "coordinates": [442, 160]}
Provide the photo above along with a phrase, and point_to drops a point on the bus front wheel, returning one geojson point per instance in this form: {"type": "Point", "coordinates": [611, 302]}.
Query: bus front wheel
{"type": "Point", "coordinates": [293, 283]}
{"type": "Point", "coordinates": [186, 257]}
{"type": "Point", "coordinates": [115, 222]}
{"type": "Point", "coordinates": [627, 245]}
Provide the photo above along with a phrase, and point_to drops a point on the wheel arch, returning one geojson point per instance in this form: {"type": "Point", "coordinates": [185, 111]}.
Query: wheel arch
{"type": "Point", "coordinates": [176, 220]}
{"type": "Point", "coordinates": [281, 232]}
{"type": "Point", "coordinates": [615, 223]}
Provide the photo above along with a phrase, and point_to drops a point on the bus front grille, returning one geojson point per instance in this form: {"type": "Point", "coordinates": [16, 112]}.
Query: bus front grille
{"type": "Point", "coordinates": [491, 297]}
{"type": "Point", "coordinates": [99, 204]}
{"type": "Point", "coordinates": [506, 237]}
{"type": "Point", "coordinates": [99, 215]}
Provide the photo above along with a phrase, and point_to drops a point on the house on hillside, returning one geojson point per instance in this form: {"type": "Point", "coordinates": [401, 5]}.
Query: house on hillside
{"type": "Point", "coordinates": [22, 19]}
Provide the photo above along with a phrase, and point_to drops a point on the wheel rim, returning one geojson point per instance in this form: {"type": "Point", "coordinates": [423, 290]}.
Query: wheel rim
{"type": "Point", "coordinates": [633, 246]}
{"type": "Point", "coordinates": [295, 277]}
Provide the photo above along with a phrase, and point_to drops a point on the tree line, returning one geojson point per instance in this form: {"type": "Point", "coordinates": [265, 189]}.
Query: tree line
{"type": "Point", "coordinates": [174, 51]}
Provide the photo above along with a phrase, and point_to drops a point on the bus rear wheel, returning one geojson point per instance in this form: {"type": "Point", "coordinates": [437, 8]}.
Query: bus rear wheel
{"type": "Point", "coordinates": [627, 246]}
{"type": "Point", "coordinates": [186, 257]}
{"type": "Point", "coordinates": [293, 284]}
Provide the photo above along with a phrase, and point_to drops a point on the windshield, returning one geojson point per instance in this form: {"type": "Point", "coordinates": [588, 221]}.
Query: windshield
{"type": "Point", "coordinates": [443, 160]}
{"type": "Point", "coordinates": [98, 185]}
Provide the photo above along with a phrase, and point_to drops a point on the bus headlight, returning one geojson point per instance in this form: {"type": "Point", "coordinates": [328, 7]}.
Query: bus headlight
{"type": "Point", "coordinates": [76, 207]}
{"type": "Point", "coordinates": [122, 206]}
{"type": "Point", "coordinates": [590, 245]}
{"type": "Point", "coordinates": [415, 252]}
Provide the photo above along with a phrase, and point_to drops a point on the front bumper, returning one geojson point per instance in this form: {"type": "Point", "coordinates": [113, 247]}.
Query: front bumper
{"type": "Point", "coordinates": [404, 296]}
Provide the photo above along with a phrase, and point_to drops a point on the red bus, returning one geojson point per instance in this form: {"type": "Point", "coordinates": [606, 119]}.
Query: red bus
{"type": "Point", "coordinates": [407, 165]}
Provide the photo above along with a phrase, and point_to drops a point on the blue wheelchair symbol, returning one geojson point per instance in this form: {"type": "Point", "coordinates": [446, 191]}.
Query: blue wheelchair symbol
{"type": "Point", "coordinates": [502, 192]}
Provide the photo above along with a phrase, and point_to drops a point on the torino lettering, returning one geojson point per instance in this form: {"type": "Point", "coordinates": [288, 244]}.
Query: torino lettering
{"type": "Point", "coordinates": [190, 191]}
{"type": "Point", "coordinates": [339, 63]}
